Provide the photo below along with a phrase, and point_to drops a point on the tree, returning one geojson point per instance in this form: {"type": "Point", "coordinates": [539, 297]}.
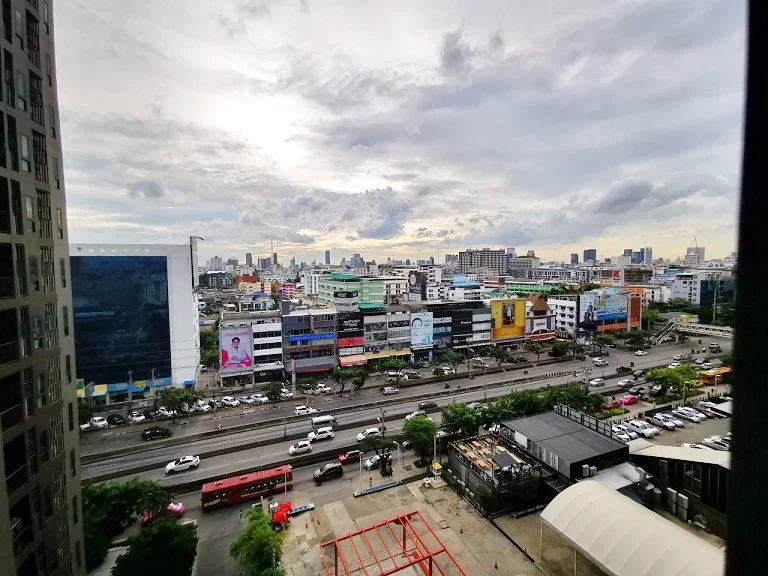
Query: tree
{"type": "Point", "coordinates": [605, 339]}
{"type": "Point", "coordinates": [500, 354]}
{"type": "Point", "coordinates": [650, 317]}
{"type": "Point", "coordinates": [535, 347]}
{"type": "Point", "coordinates": [272, 391]}
{"type": "Point", "coordinates": [276, 297]}
{"type": "Point", "coordinates": [460, 420]}
{"type": "Point", "coordinates": [358, 380]}
{"type": "Point", "coordinates": [342, 375]}
{"type": "Point", "coordinates": [590, 286]}
{"type": "Point", "coordinates": [209, 348]}
{"type": "Point", "coordinates": [438, 373]}
{"type": "Point", "coordinates": [560, 350]}
{"type": "Point", "coordinates": [393, 364]}
{"type": "Point", "coordinates": [258, 548]}
{"type": "Point", "coordinates": [176, 399]}
{"type": "Point", "coordinates": [452, 357]}
{"type": "Point", "coordinates": [163, 547]}
{"type": "Point", "coordinates": [420, 432]}
{"type": "Point", "coordinates": [672, 377]}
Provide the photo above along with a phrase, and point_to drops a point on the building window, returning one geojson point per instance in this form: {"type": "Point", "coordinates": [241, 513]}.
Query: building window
{"type": "Point", "coordinates": [18, 29]}
{"type": "Point", "coordinates": [21, 270]}
{"type": "Point", "coordinates": [44, 213]}
{"type": "Point", "coordinates": [68, 367]}
{"type": "Point", "coordinates": [75, 518]}
{"type": "Point", "coordinates": [65, 318]}
{"type": "Point", "coordinates": [45, 17]}
{"type": "Point", "coordinates": [71, 416]}
{"type": "Point", "coordinates": [48, 270]}
{"type": "Point", "coordinates": [7, 21]}
{"type": "Point", "coordinates": [37, 113]}
{"type": "Point", "coordinates": [73, 462]}
{"type": "Point", "coordinates": [21, 91]}
{"type": "Point", "coordinates": [60, 222]}
{"type": "Point", "coordinates": [3, 153]}
{"type": "Point", "coordinates": [5, 207]}
{"type": "Point", "coordinates": [40, 153]}
{"type": "Point", "coordinates": [34, 273]}
{"type": "Point", "coordinates": [29, 214]}
{"type": "Point", "coordinates": [63, 271]}
{"type": "Point", "coordinates": [18, 216]}
{"type": "Point", "coordinates": [26, 166]}
{"type": "Point", "coordinates": [33, 39]}
{"type": "Point", "coordinates": [10, 86]}
{"type": "Point", "coordinates": [51, 326]}
{"type": "Point", "coordinates": [52, 120]}
{"type": "Point", "coordinates": [7, 280]}
{"type": "Point", "coordinates": [25, 334]}
{"type": "Point", "coordinates": [13, 143]}
{"type": "Point", "coordinates": [48, 68]}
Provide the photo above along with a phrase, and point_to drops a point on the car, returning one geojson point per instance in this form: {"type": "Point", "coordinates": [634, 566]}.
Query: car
{"type": "Point", "coordinates": [415, 414]}
{"type": "Point", "coordinates": [623, 369]}
{"type": "Point", "coordinates": [323, 433]}
{"type": "Point", "coordinates": [638, 373]}
{"type": "Point", "coordinates": [156, 432]}
{"type": "Point", "coordinates": [302, 410]}
{"type": "Point", "coordinates": [611, 405]}
{"type": "Point", "coordinates": [322, 389]}
{"type": "Point", "coordinates": [300, 447]}
{"type": "Point", "coordinates": [98, 423]}
{"type": "Point", "coordinates": [285, 394]}
{"type": "Point", "coordinates": [623, 428]}
{"type": "Point", "coordinates": [183, 463]}
{"type": "Point", "coordinates": [694, 445]}
{"type": "Point", "coordinates": [350, 456]}
{"type": "Point", "coordinates": [715, 444]}
{"type": "Point", "coordinates": [173, 509]}
{"type": "Point", "coordinates": [388, 390]}
{"type": "Point", "coordinates": [411, 375]}
{"type": "Point", "coordinates": [693, 411]}
{"type": "Point", "coordinates": [475, 405]}
{"type": "Point", "coordinates": [600, 362]}
{"type": "Point", "coordinates": [639, 390]}
{"type": "Point", "coordinates": [136, 417]}
{"type": "Point", "coordinates": [677, 357]}
{"type": "Point", "coordinates": [620, 436]}
{"type": "Point", "coordinates": [369, 433]}
{"type": "Point", "coordinates": [200, 406]}
{"type": "Point", "coordinates": [628, 400]}
{"type": "Point", "coordinates": [706, 404]}
{"type": "Point", "coordinates": [597, 382]}
{"type": "Point", "coordinates": [656, 389]}
{"type": "Point", "coordinates": [427, 405]}
{"type": "Point", "coordinates": [259, 398]}
{"type": "Point", "coordinates": [641, 353]}
{"type": "Point", "coordinates": [372, 462]}
{"type": "Point", "coordinates": [203, 368]}
{"type": "Point", "coordinates": [674, 365]}
{"type": "Point", "coordinates": [449, 370]}
{"type": "Point", "coordinates": [247, 400]}
{"type": "Point", "coordinates": [494, 428]}
{"type": "Point", "coordinates": [624, 383]}
{"type": "Point", "coordinates": [230, 401]}
{"type": "Point", "coordinates": [642, 428]}
{"type": "Point", "coordinates": [658, 420]}
{"type": "Point", "coordinates": [687, 416]}
{"type": "Point", "coordinates": [149, 414]}
{"type": "Point", "coordinates": [116, 420]}
{"type": "Point", "coordinates": [700, 360]}
{"type": "Point", "coordinates": [328, 472]}
{"type": "Point", "coordinates": [479, 363]}
{"type": "Point", "coordinates": [163, 412]}
{"type": "Point", "coordinates": [707, 366]}
{"type": "Point", "coordinates": [187, 522]}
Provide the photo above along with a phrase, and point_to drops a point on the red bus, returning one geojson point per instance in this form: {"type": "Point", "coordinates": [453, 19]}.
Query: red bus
{"type": "Point", "coordinates": [246, 487]}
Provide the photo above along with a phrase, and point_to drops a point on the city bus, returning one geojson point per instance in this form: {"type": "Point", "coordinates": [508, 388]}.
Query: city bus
{"type": "Point", "coordinates": [246, 487]}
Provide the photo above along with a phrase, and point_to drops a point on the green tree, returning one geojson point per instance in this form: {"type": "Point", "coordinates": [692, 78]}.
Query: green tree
{"type": "Point", "coordinates": [342, 376]}
{"type": "Point", "coordinates": [460, 420]}
{"type": "Point", "coordinates": [605, 339]}
{"type": "Point", "coordinates": [420, 432]}
{"type": "Point", "coordinates": [276, 297]}
{"type": "Point", "coordinates": [560, 350]}
{"type": "Point", "coordinates": [534, 347]}
{"type": "Point", "coordinates": [209, 348]}
{"type": "Point", "coordinates": [358, 380]}
{"type": "Point", "coordinates": [499, 353]}
{"type": "Point", "coordinates": [86, 408]}
{"type": "Point", "coordinates": [258, 548]}
{"type": "Point", "coordinates": [163, 547]}
{"type": "Point", "coordinates": [672, 377]}
{"type": "Point", "coordinates": [176, 399]}
{"type": "Point", "coordinates": [272, 391]}
{"type": "Point", "coordinates": [393, 364]}
{"type": "Point", "coordinates": [590, 286]}
{"type": "Point", "coordinates": [452, 357]}
{"type": "Point", "coordinates": [650, 317]}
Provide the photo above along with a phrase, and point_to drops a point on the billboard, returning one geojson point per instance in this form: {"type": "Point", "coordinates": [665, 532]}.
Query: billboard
{"type": "Point", "coordinates": [236, 349]}
{"type": "Point", "coordinates": [350, 325]}
{"type": "Point", "coordinates": [421, 330]}
{"type": "Point", "coordinates": [508, 318]}
{"type": "Point", "coordinates": [617, 276]}
{"type": "Point", "coordinates": [417, 286]}
{"type": "Point", "coordinates": [607, 306]}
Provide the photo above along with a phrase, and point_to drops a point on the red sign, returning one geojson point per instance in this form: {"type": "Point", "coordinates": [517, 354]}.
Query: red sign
{"type": "Point", "coordinates": [350, 342]}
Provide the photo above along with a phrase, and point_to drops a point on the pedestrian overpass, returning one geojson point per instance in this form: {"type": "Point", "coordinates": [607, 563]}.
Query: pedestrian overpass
{"type": "Point", "coordinates": [692, 329]}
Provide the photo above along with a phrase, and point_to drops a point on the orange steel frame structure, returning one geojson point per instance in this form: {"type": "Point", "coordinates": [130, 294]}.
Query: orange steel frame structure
{"type": "Point", "coordinates": [389, 547]}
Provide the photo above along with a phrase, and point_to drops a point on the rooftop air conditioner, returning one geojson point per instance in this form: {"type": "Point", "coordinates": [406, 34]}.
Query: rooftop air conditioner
{"type": "Point", "coordinates": [593, 470]}
{"type": "Point", "coordinates": [585, 470]}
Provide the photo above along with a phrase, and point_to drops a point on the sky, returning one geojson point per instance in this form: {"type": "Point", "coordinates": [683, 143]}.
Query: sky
{"type": "Point", "coordinates": [391, 128]}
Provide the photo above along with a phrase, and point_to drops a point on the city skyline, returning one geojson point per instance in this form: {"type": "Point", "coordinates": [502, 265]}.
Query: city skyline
{"type": "Point", "coordinates": [477, 128]}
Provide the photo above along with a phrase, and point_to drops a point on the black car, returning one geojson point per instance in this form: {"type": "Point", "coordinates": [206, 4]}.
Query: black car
{"type": "Point", "coordinates": [156, 432]}
{"type": "Point", "coordinates": [623, 369]}
{"type": "Point", "coordinates": [328, 472]}
{"type": "Point", "coordinates": [149, 414]}
{"type": "Point", "coordinates": [116, 420]}
{"type": "Point", "coordinates": [427, 405]}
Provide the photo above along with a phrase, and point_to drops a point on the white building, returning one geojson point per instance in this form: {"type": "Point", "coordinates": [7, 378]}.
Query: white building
{"type": "Point", "coordinates": [564, 310]}
{"type": "Point", "coordinates": [461, 291]}
{"type": "Point", "coordinates": [267, 329]}
{"type": "Point", "coordinates": [395, 287]}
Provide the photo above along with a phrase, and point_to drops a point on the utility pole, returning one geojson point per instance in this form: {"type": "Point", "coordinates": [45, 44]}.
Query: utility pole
{"type": "Point", "coordinates": [130, 389]}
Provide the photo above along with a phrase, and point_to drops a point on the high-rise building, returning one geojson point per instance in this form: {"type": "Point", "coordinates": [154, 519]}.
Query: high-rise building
{"type": "Point", "coordinates": [232, 262]}
{"type": "Point", "coordinates": [274, 259]}
{"type": "Point", "coordinates": [694, 256]}
{"type": "Point", "coordinates": [574, 258]}
{"type": "Point", "coordinates": [327, 257]}
{"type": "Point", "coordinates": [628, 252]}
{"type": "Point", "coordinates": [647, 255]}
{"type": "Point", "coordinates": [451, 258]}
{"type": "Point", "coordinates": [248, 259]}
{"type": "Point", "coordinates": [637, 257]}
{"type": "Point", "coordinates": [39, 452]}
{"type": "Point", "coordinates": [590, 255]}
{"type": "Point", "coordinates": [494, 260]}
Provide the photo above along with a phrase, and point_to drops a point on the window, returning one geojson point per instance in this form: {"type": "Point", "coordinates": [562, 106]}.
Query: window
{"type": "Point", "coordinates": [37, 111]}
{"type": "Point", "coordinates": [18, 216]}
{"type": "Point", "coordinates": [63, 272]}
{"type": "Point", "coordinates": [65, 319]}
{"type": "Point", "coordinates": [7, 280]}
{"type": "Point", "coordinates": [51, 326]}
{"type": "Point", "coordinates": [3, 153]}
{"type": "Point", "coordinates": [56, 178]}
{"type": "Point", "coordinates": [7, 21]}
{"type": "Point", "coordinates": [52, 120]}
{"type": "Point", "coordinates": [68, 367]}
{"type": "Point", "coordinates": [45, 17]}
{"type": "Point", "coordinates": [25, 336]}
{"type": "Point", "coordinates": [71, 416]}
{"type": "Point", "coordinates": [18, 29]}
{"type": "Point", "coordinates": [44, 213]}
{"type": "Point", "coordinates": [13, 146]}
{"type": "Point", "coordinates": [75, 519]}
{"type": "Point", "coordinates": [72, 462]}
{"type": "Point", "coordinates": [40, 153]}
{"type": "Point", "coordinates": [21, 270]}
{"type": "Point", "coordinates": [47, 269]}
{"type": "Point", "coordinates": [29, 214]}
{"type": "Point", "coordinates": [48, 68]}
{"type": "Point", "coordinates": [26, 166]}
{"type": "Point", "coordinates": [34, 274]}
{"type": "Point", "coordinates": [5, 207]}
{"type": "Point", "coordinates": [33, 39]}
{"type": "Point", "coordinates": [60, 222]}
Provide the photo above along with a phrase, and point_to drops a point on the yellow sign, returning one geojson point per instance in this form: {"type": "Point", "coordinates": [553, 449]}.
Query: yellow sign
{"type": "Point", "coordinates": [508, 318]}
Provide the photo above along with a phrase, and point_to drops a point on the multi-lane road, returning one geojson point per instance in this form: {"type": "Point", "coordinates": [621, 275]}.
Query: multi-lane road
{"type": "Point", "coordinates": [348, 412]}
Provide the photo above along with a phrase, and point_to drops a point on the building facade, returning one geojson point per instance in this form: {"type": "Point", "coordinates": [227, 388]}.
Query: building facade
{"type": "Point", "coordinates": [496, 260]}
{"type": "Point", "coordinates": [40, 508]}
{"type": "Point", "coordinates": [590, 255]}
{"type": "Point", "coordinates": [267, 330]}
{"type": "Point", "coordinates": [309, 340]}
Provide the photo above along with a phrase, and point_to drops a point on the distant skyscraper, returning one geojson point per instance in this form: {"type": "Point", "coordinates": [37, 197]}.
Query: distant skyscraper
{"type": "Point", "coordinates": [637, 258]}
{"type": "Point", "coordinates": [274, 258]}
{"type": "Point", "coordinates": [647, 255]}
{"type": "Point", "coordinates": [327, 257]}
{"type": "Point", "coordinates": [248, 259]}
{"type": "Point", "coordinates": [590, 255]}
{"type": "Point", "coordinates": [511, 252]}
{"type": "Point", "coordinates": [431, 260]}
{"type": "Point", "coordinates": [232, 262]}
{"type": "Point", "coordinates": [574, 258]}
{"type": "Point", "coordinates": [628, 252]}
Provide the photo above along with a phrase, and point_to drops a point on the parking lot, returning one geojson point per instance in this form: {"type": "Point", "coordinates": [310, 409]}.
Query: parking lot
{"type": "Point", "coordinates": [694, 432]}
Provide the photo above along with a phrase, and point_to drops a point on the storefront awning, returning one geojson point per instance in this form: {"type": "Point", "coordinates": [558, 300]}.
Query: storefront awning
{"type": "Point", "coordinates": [188, 383]}
{"type": "Point", "coordinates": [388, 354]}
{"type": "Point", "coordinates": [353, 360]}
{"type": "Point", "coordinates": [98, 390]}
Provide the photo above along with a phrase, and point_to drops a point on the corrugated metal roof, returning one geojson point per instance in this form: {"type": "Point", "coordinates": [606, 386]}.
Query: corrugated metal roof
{"type": "Point", "coordinates": [617, 477]}
{"type": "Point", "coordinates": [717, 457]}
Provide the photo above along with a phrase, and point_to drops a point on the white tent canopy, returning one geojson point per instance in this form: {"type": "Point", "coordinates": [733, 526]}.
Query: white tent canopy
{"type": "Point", "coordinates": [626, 539]}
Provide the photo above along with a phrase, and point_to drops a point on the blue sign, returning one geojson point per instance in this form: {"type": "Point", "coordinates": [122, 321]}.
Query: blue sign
{"type": "Point", "coordinates": [308, 337]}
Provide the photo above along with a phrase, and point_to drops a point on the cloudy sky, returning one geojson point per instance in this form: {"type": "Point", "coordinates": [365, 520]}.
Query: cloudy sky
{"type": "Point", "coordinates": [387, 128]}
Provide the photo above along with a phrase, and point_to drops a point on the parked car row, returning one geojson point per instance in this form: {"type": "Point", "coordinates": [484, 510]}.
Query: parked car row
{"type": "Point", "coordinates": [720, 443]}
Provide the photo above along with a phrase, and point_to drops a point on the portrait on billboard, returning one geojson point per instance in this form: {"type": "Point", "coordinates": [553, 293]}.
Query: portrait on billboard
{"type": "Point", "coordinates": [508, 319]}
{"type": "Point", "coordinates": [236, 349]}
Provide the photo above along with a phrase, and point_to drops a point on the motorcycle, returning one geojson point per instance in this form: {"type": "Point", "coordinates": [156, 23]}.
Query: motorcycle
{"type": "Point", "coordinates": [446, 385]}
{"type": "Point", "coordinates": [631, 364]}
{"type": "Point", "coordinates": [525, 371]}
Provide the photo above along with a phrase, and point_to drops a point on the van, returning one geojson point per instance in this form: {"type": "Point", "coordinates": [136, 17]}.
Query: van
{"type": "Point", "coordinates": [328, 471]}
{"type": "Point", "coordinates": [323, 421]}
{"type": "Point", "coordinates": [396, 377]}
{"type": "Point", "coordinates": [411, 375]}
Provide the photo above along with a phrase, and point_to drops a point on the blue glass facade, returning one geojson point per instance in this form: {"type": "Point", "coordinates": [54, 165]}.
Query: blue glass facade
{"type": "Point", "coordinates": [121, 318]}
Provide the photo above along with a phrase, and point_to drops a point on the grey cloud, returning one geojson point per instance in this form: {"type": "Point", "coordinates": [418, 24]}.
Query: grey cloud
{"type": "Point", "coordinates": [256, 9]}
{"type": "Point", "coordinates": [423, 233]}
{"type": "Point", "coordinates": [403, 177]}
{"type": "Point", "coordinates": [350, 238]}
{"type": "Point", "coordinates": [385, 214]}
{"type": "Point", "coordinates": [496, 43]}
{"type": "Point", "coordinates": [146, 188]}
{"type": "Point", "coordinates": [455, 54]}
{"type": "Point", "coordinates": [232, 26]}
{"type": "Point", "coordinates": [298, 237]}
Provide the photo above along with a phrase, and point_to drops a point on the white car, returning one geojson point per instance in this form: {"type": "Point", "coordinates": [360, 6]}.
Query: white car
{"type": "Point", "coordinates": [369, 433]}
{"type": "Point", "coordinates": [627, 382]}
{"type": "Point", "coordinates": [643, 428]}
{"type": "Point", "coordinates": [247, 400]}
{"type": "Point", "coordinates": [203, 368]}
{"type": "Point", "coordinates": [302, 410]}
{"type": "Point", "coordinates": [323, 433]}
{"type": "Point", "coordinates": [707, 366]}
{"type": "Point", "coordinates": [259, 398]}
{"type": "Point", "coordinates": [686, 416]}
{"type": "Point", "coordinates": [641, 353]}
{"type": "Point", "coordinates": [622, 436]}
{"type": "Point", "coordinates": [693, 411]}
{"type": "Point", "coordinates": [658, 420]}
{"type": "Point", "coordinates": [230, 401]}
{"type": "Point", "coordinates": [676, 421]}
{"type": "Point", "coordinates": [183, 463]}
{"type": "Point", "coordinates": [389, 390]}
{"type": "Point", "coordinates": [415, 414]}
{"type": "Point", "coordinates": [200, 406]}
{"type": "Point", "coordinates": [98, 423]}
{"type": "Point", "coordinates": [597, 382]}
{"type": "Point", "coordinates": [301, 447]}
{"type": "Point", "coordinates": [600, 362]}
{"type": "Point", "coordinates": [136, 417]}
{"type": "Point", "coordinates": [624, 429]}
{"type": "Point", "coordinates": [163, 412]}
{"type": "Point", "coordinates": [285, 394]}
{"type": "Point", "coordinates": [322, 389]}
{"type": "Point", "coordinates": [677, 357]}
{"type": "Point", "coordinates": [372, 462]}
{"type": "Point", "coordinates": [694, 445]}
{"type": "Point", "coordinates": [448, 370]}
{"type": "Point", "coordinates": [674, 365]}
